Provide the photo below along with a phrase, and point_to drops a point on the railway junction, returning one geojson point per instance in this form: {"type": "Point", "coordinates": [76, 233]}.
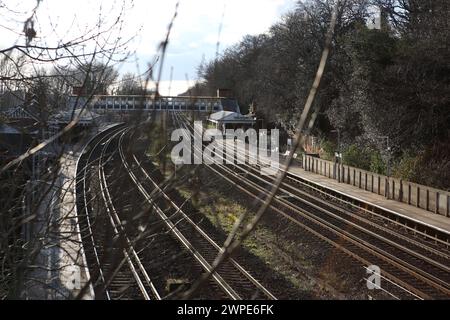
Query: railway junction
{"type": "Point", "coordinates": [144, 228]}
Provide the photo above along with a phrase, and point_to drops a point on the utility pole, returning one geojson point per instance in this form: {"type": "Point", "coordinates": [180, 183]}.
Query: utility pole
{"type": "Point", "coordinates": [388, 166]}
{"type": "Point", "coordinates": [338, 155]}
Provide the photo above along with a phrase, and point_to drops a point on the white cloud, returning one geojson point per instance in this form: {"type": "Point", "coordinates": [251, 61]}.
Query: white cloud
{"type": "Point", "coordinates": [167, 88]}
{"type": "Point", "coordinates": [194, 45]}
{"type": "Point", "coordinates": [194, 34]}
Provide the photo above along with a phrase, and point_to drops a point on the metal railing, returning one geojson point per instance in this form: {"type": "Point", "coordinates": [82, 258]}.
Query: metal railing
{"type": "Point", "coordinates": [125, 103]}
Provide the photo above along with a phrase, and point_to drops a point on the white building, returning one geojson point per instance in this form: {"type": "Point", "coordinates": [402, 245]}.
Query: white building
{"type": "Point", "coordinates": [231, 120]}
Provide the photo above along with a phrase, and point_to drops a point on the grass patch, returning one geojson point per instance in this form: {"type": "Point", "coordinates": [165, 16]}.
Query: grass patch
{"type": "Point", "coordinates": [281, 254]}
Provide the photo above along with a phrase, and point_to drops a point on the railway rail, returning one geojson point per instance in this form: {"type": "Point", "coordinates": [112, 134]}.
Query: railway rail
{"type": "Point", "coordinates": [119, 272]}
{"type": "Point", "coordinates": [417, 227]}
{"type": "Point", "coordinates": [412, 268]}
{"type": "Point", "coordinates": [107, 237]}
{"type": "Point", "coordinates": [233, 279]}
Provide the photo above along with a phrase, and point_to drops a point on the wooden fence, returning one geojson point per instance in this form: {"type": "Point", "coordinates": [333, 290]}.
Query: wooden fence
{"type": "Point", "coordinates": [430, 199]}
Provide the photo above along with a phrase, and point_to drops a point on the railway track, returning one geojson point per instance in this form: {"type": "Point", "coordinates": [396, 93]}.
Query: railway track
{"type": "Point", "coordinates": [113, 253]}
{"type": "Point", "coordinates": [118, 272]}
{"type": "Point", "coordinates": [428, 233]}
{"type": "Point", "coordinates": [232, 278]}
{"type": "Point", "coordinates": [411, 268]}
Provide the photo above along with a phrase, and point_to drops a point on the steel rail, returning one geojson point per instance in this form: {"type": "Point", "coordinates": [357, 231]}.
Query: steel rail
{"type": "Point", "coordinates": [291, 194]}
{"type": "Point", "coordinates": [410, 288]}
{"type": "Point", "coordinates": [100, 138]}
{"type": "Point", "coordinates": [362, 205]}
{"type": "Point", "coordinates": [203, 233]}
{"type": "Point", "coordinates": [347, 212]}
{"type": "Point", "coordinates": [177, 233]}
{"type": "Point", "coordinates": [441, 266]}
{"type": "Point", "coordinates": [437, 283]}
{"type": "Point", "coordinates": [119, 229]}
{"type": "Point", "coordinates": [365, 262]}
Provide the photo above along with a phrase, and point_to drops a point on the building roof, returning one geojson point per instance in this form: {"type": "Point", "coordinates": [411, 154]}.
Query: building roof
{"type": "Point", "coordinates": [5, 129]}
{"type": "Point", "coordinates": [13, 142]}
{"type": "Point", "coordinates": [230, 117]}
{"type": "Point", "coordinates": [85, 116]}
{"type": "Point", "coordinates": [230, 104]}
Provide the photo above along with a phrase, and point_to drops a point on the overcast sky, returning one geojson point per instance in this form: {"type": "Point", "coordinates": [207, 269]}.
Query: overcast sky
{"type": "Point", "coordinates": [194, 35]}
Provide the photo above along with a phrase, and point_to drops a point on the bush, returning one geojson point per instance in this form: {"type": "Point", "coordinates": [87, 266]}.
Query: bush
{"type": "Point", "coordinates": [364, 158]}
{"type": "Point", "coordinates": [357, 157]}
{"type": "Point", "coordinates": [407, 167]}
{"type": "Point", "coordinates": [377, 163]}
{"type": "Point", "coordinates": [328, 149]}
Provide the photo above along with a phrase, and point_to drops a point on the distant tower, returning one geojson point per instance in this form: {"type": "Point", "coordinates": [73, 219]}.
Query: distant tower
{"type": "Point", "coordinates": [252, 109]}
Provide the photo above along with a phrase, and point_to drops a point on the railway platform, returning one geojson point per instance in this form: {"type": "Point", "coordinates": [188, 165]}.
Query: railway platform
{"type": "Point", "coordinates": [402, 210]}
{"type": "Point", "coordinates": [59, 271]}
{"type": "Point", "coordinates": [73, 272]}
{"type": "Point", "coordinates": [416, 219]}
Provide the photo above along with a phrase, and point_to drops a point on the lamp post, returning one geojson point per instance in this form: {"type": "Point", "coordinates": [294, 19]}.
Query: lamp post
{"type": "Point", "coordinates": [388, 160]}
{"type": "Point", "coordinates": [338, 154]}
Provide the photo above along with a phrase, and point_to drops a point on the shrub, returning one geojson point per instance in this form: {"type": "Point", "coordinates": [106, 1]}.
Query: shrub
{"type": "Point", "coordinates": [357, 157]}
{"type": "Point", "coordinates": [406, 168]}
{"type": "Point", "coordinates": [377, 163]}
{"type": "Point", "coordinates": [328, 149]}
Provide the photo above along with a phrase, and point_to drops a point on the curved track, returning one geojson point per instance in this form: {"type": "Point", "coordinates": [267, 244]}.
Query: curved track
{"type": "Point", "coordinates": [119, 273]}
{"type": "Point", "coordinates": [118, 270]}
{"type": "Point", "coordinates": [232, 278]}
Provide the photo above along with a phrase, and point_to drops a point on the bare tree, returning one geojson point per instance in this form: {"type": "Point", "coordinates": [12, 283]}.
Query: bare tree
{"type": "Point", "coordinates": [36, 78]}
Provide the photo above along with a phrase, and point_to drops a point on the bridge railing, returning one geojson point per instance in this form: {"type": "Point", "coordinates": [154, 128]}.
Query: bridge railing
{"type": "Point", "coordinates": [148, 103]}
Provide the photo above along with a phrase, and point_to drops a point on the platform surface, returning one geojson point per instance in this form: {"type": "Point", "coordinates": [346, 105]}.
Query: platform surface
{"type": "Point", "coordinates": [59, 271]}
{"type": "Point", "coordinates": [413, 213]}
